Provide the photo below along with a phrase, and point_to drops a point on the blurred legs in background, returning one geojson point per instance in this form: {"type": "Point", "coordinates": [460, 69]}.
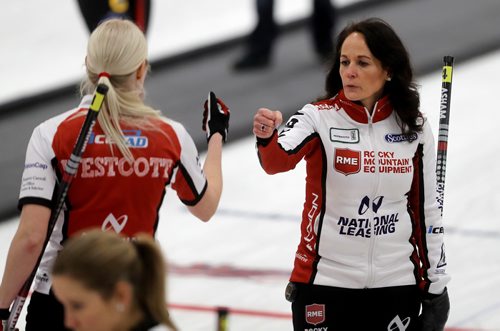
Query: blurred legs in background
{"type": "Point", "coordinates": [95, 11]}
{"type": "Point", "coordinates": [260, 42]}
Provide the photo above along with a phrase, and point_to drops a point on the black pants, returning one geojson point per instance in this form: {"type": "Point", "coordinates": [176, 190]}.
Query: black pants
{"type": "Point", "coordinates": [321, 25]}
{"type": "Point", "coordinates": [95, 11]}
{"type": "Point", "coordinates": [45, 313]}
{"type": "Point", "coordinates": [392, 308]}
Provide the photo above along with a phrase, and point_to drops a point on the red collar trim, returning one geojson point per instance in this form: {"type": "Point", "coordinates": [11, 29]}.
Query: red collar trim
{"type": "Point", "coordinates": [358, 112]}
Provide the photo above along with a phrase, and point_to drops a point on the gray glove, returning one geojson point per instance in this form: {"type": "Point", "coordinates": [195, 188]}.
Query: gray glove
{"type": "Point", "coordinates": [435, 310]}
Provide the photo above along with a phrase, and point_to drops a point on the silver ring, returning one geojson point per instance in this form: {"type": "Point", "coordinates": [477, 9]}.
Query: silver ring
{"type": "Point", "coordinates": [262, 128]}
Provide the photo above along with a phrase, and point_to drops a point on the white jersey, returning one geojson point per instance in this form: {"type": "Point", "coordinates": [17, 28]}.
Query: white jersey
{"type": "Point", "coordinates": [160, 328]}
{"type": "Point", "coordinates": [371, 217]}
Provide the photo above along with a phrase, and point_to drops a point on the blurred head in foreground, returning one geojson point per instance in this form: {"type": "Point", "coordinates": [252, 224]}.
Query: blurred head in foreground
{"type": "Point", "coordinates": [107, 282]}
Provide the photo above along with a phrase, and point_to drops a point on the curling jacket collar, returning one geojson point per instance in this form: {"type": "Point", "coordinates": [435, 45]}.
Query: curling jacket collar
{"type": "Point", "coordinates": [359, 113]}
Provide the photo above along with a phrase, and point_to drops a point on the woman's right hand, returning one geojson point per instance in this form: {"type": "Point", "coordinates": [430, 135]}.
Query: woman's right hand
{"type": "Point", "coordinates": [215, 117]}
{"type": "Point", "coordinates": [265, 121]}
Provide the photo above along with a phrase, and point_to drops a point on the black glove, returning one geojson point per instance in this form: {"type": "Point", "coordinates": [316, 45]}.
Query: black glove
{"type": "Point", "coordinates": [215, 117]}
{"type": "Point", "coordinates": [4, 316]}
{"type": "Point", "coordinates": [435, 310]}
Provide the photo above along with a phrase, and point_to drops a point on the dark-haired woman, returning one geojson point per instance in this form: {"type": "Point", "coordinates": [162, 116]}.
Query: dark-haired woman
{"type": "Point", "coordinates": [371, 251]}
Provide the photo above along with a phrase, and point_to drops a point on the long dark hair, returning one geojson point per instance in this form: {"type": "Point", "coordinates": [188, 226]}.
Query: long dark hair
{"type": "Point", "coordinates": [388, 48]}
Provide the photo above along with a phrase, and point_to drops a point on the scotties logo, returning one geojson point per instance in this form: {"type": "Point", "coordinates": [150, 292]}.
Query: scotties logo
{"type": "Point", "coordinates": [398, 138]}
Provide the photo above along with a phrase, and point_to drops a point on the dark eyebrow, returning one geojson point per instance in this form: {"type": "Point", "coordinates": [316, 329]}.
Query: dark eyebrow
{"type": "Point", "coordinates": [365, 57]}
{"type": "Point", "coordinates": [359, 57]}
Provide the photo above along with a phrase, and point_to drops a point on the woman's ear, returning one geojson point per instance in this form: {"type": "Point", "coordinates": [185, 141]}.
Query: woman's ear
{"type": "Point", "coordinates": [142, 70]}
{"type": "Point", "coordinates": [389, 75]}
{"type": "Point", "coordinates": [123, 294]}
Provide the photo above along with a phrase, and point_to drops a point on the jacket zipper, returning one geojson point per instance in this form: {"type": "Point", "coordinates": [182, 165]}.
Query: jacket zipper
{"type": "Point", "coordinates": [369, 279]}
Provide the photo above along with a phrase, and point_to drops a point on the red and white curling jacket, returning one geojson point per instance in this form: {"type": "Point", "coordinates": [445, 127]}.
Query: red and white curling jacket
{"type": "Point", "coordinates": [371, 218]}
{"type": "Point", "coordinates": [108, 192]}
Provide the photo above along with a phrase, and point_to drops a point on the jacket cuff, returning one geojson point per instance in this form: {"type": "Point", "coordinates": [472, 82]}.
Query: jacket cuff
{"type": "Point", "coordinates": [265, 141]}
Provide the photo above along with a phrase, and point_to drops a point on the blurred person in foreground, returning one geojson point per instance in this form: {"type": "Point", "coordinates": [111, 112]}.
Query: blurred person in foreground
{"type": "Point", "coordinates": [133, 154]}
{"type": "Point", "coordinates": [259, 45]}
{"type": "Point", "coordinates": [96, 11]}
{"type": "Point", "coordinates": [108, 283]}
{"type": "Point", "coordinates": [371, 251]}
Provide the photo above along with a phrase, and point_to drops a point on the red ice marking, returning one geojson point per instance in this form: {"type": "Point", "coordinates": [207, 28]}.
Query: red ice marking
{"type": "Point", "coordinates": [235, 311]}
{"type": "Point", "coordinates": [225, 271]}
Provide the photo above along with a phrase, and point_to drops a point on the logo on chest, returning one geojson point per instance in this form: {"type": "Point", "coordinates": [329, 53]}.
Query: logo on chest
{"type": "Point", "coordinates": [347, 161]}
{"type": "Point", "coordinates": [347, 136]}
{"type": "Point", "coordinates": [399, 138]}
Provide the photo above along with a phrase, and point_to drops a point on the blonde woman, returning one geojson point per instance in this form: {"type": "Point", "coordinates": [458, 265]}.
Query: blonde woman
{"type": "Point", "coordinates": [107, 283]}
{"type": "Point", "coordinates": [133, 154]}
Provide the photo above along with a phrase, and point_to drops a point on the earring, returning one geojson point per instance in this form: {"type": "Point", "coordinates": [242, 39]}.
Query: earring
{"type": "Point", "coordinates": [388, 79]}
{"type": "Point", "coordinates": [120, 307]}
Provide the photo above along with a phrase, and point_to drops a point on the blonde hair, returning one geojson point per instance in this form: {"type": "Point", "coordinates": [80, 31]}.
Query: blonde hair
{"type": "Point", "coordinates": [98, 260]}
{"type": "Point", "coordinates": [119, 48]}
